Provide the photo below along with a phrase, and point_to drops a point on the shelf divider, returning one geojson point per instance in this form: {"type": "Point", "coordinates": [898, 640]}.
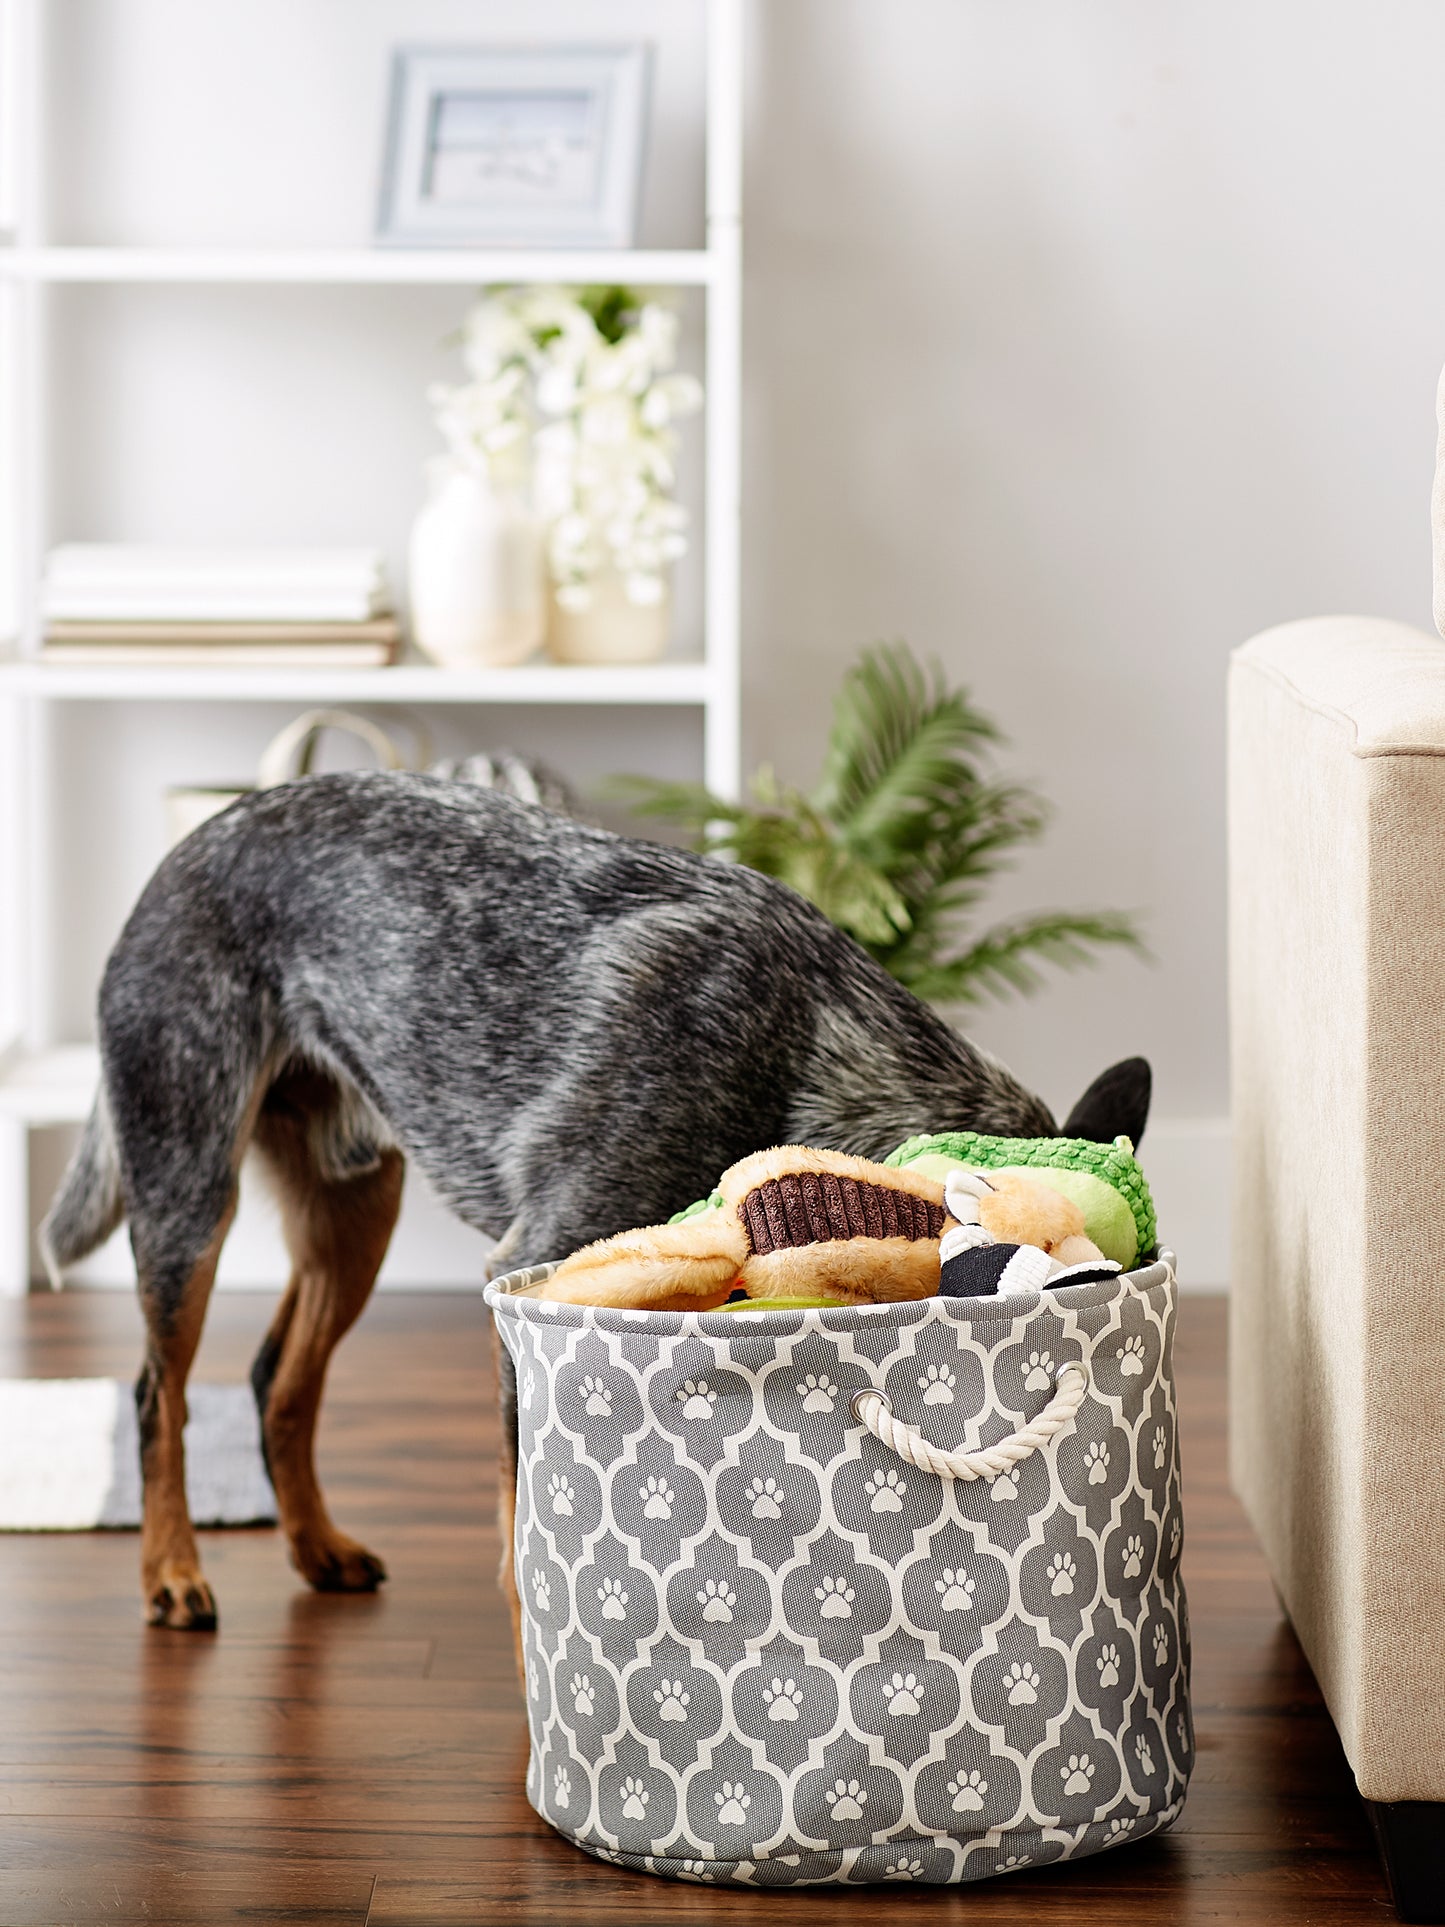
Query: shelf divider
{"type": "Point", "coordinates": [676, 683]}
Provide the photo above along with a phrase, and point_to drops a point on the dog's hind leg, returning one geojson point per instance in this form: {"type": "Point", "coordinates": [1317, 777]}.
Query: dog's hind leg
{"type": "Point", "coordinates": [174, 1591]}
{"type": "Point", "coordinates": [337, 1230]}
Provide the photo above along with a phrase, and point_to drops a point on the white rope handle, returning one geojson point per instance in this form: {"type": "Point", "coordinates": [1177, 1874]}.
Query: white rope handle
{"type": "Point", "coordinates": [872, 1409]}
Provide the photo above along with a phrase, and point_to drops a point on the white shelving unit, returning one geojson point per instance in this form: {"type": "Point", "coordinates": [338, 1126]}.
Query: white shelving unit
{"type": "Point", "coordinates": [692, 683]}
{"type": "Point", "coordinates": [47, 1080]}
{"type": "Point", "coordinates": [359, 267]}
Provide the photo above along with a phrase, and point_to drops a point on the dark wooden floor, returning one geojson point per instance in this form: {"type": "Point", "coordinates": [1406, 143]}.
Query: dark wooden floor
{"type": "Point", "coordinates": [360, 1760]}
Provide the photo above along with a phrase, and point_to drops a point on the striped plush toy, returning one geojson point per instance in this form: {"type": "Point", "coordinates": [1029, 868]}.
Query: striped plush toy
{"type": "Point", "coordinates": [1012, 1233]}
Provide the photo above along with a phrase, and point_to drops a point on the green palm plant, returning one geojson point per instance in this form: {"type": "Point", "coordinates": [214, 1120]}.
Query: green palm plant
{"type": "Point", "coordinates": [898, 839]}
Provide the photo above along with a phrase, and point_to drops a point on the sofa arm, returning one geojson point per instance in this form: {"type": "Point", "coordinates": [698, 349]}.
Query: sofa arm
{"type": "Point", "coordinates": [1337, 1006]}
{"type": "Point", "coordinates": [1382, 682]}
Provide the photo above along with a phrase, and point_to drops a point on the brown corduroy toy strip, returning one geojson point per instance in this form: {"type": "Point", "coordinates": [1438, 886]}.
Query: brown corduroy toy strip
{"type": "Point", "coordinates": [794, 1223]}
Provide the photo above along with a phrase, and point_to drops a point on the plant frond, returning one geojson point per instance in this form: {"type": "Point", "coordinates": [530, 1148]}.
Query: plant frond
{"type": "Point", "coordinates": [967, 842]}
{"type": "Point", "coordinates": [782, 835]}
{"type": "Point", "coordinates": [848, 891]}
{"type": "Point", "coordinates": [1009, 957]}
{"type": "Point", "coordinates": [792, 842]}
{"type": "Point", "coordinates": [900, 838]}
{"type": "Point", "coordinates": [691, 806]}
{"type": "Point", "coordinates": [901, 745]}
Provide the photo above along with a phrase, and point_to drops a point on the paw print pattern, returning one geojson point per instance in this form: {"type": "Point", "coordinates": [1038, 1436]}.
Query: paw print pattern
{"type": "Point", "coordinates": [583, 1696]}
{"type": "Point", "coordinates": [818, 1392]}
{"type": "Point", "coordinates": [1062, 1571]}
{"type": "Point", "coordinates": [1133, 1556]}
{"type": "Point", "coordinates": [657, 1498]}
{"type": "Point", "coordinates": [1161, 1645]}
{"type": "Point", "coordinates": [903, 1870]}
{"type": "Point", "coordinates": [1078, 1775]}
{"type": "Point", "coordinates": [782, 1699]}
{"type": "Point", "coordinates": [717, 1600]}
{"type": "Point", "coordinates": [1023, 1684]}
{"type": "Point", "coordinates": [635, 1797]}
{"type": "Point", "coordinates": [529, 1389]}
{"type": "Point", "coordinates": [1144, 1755]}
{"type": "Point", "coordinates": [596, 1399]}
{"type": "Point", "coordinates": [733, 1801]}
{"type": "Point", "coordinates": [1161, 1447]}
{"type": "Point", "coordinates": [937, 1385]}
{"type": "Point", "coordinates": [765, 1495]}
{"type": "Point", "coordinates": [1013, 1863]}
{"type": "Point", "coordinates": [541, 1591]}
{"type": "Point", "coordinates": [954, 1589]}
{"type": "Point", "coordinates": [1038, 1372]}
{"type": "Point", "coordinates": [1108, 1665]}
{"type": "Point", "coordinates": [561, 1492]}
{"type": "Point", "coordinates": [672, 1699]}
{"type": "Point", "coordinates": [613, 1595]}
{"type": "Point", "coordinates": [846, 1799]}
{"type": "Point", "coordinates": [835, 1599]}
{"type": "Point", "coordinates": [562, 1786]}
{"type": "Point", "coordinates": [885, 1491]}
{"type": "Point", "coordinates": [1131, 1357]}
{"type": "Point", "coordinates": [967, 1791]}
{"type": "Point", "coordinates": [696, 1397]}
{"type": "Point", "coordinates": [903, 1694]}
{"type": "Point", "coordinates": [1096, 1457]}
{"type": "Point", "coordinates": [1176, 1536]}
{"type": "Point", "coordinates": [1121, 1824]}
{"type": "Point", "coordinates": [1004, 1486]}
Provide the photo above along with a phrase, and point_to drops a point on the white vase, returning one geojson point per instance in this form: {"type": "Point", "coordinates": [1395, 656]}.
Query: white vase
{"type": "Point", "coordinates": [476, 577]}
{"type": "Point", "coordinates": [611, 628]}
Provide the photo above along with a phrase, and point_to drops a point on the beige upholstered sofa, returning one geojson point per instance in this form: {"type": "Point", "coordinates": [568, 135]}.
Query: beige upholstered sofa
{"type": "Point", "coordinates": [1337, 999]}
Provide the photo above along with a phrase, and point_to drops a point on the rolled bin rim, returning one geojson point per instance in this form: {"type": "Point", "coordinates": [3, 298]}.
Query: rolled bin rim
{"type": "Point", "coordinates": [502, 1295]}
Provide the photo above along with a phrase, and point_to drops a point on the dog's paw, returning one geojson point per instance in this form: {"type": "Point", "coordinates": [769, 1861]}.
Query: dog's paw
{"type": "Point", "coordinates": [179, 1598]}
{"type": "Point", "coordinates": [337, 1564]}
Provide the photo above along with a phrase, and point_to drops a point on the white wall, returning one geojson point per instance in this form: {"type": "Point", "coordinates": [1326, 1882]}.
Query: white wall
{"type": "Point", "coordinates": [1081, 343]}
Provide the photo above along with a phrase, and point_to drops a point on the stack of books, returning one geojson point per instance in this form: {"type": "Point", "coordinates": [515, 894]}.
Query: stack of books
{"type": "Point", "coordinates": [114, 603]}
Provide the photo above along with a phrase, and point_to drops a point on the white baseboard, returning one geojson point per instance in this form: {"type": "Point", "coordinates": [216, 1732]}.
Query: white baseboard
{"type": "Point", "coordinates": [1186, 1160]}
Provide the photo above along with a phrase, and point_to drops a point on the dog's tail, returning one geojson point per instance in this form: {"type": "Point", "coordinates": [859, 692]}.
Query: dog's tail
{"type": "Point", "coordinates": [88, 1206]}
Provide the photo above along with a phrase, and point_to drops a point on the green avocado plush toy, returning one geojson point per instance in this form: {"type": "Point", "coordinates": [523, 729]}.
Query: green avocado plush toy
{"type": "Point", "coordinates": [1104, 1180]}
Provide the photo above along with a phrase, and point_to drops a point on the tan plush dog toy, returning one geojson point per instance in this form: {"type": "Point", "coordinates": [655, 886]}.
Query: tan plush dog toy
{"type": "Point", "coordinates": [801, 1227]}
{"type": "Point", "coordinates": [1007, 1232]}
{"type": "Point", "coordinates": [791, 1224]}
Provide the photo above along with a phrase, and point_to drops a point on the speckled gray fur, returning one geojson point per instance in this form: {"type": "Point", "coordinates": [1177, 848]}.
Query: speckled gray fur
{"type": "Point", "coordinates": [567, 1031]}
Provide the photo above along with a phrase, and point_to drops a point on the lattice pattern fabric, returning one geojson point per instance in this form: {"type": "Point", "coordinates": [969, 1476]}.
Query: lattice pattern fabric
{"type": "Point", "coordinates": [761, 1648]}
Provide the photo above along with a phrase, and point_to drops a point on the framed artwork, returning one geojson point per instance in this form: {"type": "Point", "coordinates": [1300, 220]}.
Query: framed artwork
{"type": "Point", "coordinates": [515, 147]}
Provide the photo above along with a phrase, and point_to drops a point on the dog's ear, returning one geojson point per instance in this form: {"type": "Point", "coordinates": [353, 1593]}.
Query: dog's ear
{"type": "Point", "coordinates": [1116, 1104]}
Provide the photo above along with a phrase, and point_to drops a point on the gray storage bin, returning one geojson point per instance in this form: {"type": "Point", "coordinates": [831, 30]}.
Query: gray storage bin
{"type": "Point", "coordinates": [762, 1647]}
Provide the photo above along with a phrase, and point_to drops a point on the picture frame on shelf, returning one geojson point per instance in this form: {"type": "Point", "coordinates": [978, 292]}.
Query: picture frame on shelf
{"type": "Point", "coordinates": [515, 147]}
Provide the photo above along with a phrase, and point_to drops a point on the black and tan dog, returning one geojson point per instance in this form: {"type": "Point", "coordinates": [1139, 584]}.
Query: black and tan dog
{"type": "Point", "coordinates": [568, 1032]}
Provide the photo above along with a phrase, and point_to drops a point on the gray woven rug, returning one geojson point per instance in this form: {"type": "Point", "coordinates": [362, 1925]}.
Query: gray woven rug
{"type": "Point", "coordinates": [70, 1457]}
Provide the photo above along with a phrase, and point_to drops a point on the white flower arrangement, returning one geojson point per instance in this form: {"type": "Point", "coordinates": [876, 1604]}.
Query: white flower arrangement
{"type": "Point", "coordinates": [573, 390]}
